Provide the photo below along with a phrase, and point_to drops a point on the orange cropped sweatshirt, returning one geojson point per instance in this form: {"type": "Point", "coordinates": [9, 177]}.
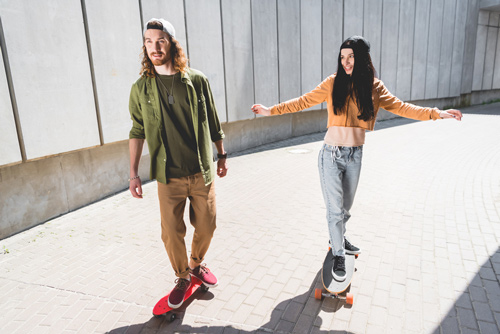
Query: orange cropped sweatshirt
{"type": "Point", "coordinates": [381, 96]}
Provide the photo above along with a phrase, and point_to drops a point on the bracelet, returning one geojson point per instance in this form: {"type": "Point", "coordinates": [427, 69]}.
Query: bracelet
{"type": "Point", "coordinates": [133, 178]}
{"type": "Point", "coordinates": [222, 156]}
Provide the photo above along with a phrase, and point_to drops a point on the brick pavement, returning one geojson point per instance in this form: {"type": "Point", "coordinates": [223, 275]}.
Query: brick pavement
{"type": "Point", "coordinates": [427, 216]}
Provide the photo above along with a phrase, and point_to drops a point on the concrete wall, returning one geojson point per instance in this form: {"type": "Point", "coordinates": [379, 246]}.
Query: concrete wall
{"type": "Point", "coordinates": [67, 67]}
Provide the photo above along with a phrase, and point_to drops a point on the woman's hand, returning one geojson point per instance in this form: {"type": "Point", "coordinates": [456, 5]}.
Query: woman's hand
{"type": "Point", "coordinates": [259, 109]}
{"type": "Point", "coordinates": [451, 113]}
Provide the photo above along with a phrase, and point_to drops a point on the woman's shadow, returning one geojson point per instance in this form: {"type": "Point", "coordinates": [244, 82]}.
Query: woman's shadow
{"type": "Point", "coordinates": [299, 314]}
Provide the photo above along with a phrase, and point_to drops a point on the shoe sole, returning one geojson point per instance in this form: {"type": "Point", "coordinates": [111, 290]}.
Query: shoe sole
{"type": "Point", "coordinates": [208, 285]}
{"type": "Point", "coordinates": [353, 252]}
{"type": "Point", "coordinates": [172, 306]}
{"type": "Point", "coordinates": [339, 278]}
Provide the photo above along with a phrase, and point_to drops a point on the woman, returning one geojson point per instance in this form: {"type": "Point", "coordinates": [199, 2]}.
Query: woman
{"type": "Point", "coordinates": [353, 96]}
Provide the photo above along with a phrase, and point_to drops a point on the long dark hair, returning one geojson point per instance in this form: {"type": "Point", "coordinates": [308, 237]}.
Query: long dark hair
{"type": "Point", "coordinates": [359, 83]}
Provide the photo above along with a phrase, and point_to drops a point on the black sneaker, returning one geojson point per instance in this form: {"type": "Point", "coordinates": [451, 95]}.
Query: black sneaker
{"type": "Point", "coordinates": [350, 248]}
{"type": "Point", "coordinates": [338, 270]}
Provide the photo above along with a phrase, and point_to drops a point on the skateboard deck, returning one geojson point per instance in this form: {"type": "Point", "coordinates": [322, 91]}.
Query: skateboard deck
{"type": "Point", "coordinates": [162, 309]}
{"type": "Point", "coordinates": [335, 288]}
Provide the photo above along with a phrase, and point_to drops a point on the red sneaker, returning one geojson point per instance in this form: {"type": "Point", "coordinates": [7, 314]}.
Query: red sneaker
{"type": "Point", "coordinates": [176, 297]}
{"type": "Point", "coordinates": [205, 275]}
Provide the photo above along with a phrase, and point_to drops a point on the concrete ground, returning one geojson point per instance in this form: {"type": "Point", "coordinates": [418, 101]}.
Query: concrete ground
{"type": "Point", "coordinates": [426, 214]}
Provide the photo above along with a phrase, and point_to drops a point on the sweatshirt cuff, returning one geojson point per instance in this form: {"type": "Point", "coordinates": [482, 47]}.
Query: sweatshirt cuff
{"type": "Point", "coordinates": [435, 114]}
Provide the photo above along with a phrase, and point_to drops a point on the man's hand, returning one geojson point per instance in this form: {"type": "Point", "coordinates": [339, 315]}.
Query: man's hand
{"type": "Point", "coordinates": [222, 167]}
{"type": "Point", "coordinates": [451, 113]}
{"type": "Point", "coordinates": [259, 109]}
{"type": "Point", "coordinates": [135, 187]}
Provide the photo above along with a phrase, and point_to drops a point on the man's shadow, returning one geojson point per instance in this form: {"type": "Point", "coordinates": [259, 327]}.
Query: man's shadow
{"type": "Point", "coordinates": [284, 318]}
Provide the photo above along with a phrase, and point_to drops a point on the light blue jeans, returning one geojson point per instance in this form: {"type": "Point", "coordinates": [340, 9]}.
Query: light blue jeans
{"type": "Point", "coordinates": [339, 170]}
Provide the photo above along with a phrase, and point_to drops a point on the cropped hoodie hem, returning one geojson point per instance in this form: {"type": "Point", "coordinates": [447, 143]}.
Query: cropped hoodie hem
{"type": "Point", "coordinates": [381, 97]}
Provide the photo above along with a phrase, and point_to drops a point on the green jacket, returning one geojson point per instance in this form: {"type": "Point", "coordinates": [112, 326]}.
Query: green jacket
{"type": "Point", "coordinates": [147, 122]}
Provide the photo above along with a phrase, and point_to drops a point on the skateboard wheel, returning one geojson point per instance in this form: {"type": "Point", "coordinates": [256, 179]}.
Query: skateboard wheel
{"type": "Point", "coordinates": [318, 293]}
{"type": "Point", "coordinates": [349, 298]}
{"type": "Point", "coordinates": [356, 256]}
{"type": "Point", "coordinates": [204, 288]}
{"type": "Point", "coordinates": [171, 317]}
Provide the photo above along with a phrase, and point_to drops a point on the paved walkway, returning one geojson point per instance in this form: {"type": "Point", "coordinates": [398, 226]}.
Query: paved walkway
{"type": "Point", "coordinates": [427, 216]}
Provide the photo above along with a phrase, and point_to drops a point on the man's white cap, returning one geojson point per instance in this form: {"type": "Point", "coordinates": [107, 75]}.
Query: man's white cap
{"type": "Point", "coordinates": [166, 26]}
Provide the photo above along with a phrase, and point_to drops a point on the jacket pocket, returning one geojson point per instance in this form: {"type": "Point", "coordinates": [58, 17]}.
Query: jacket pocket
{"type": "Point", "coordinates": [147, 109]}
{"type": "Point", "coordinates": [202, 108]}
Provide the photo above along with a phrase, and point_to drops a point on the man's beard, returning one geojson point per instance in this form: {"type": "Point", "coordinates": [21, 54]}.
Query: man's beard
{"type": "Point", "coordinates": [161, 61]}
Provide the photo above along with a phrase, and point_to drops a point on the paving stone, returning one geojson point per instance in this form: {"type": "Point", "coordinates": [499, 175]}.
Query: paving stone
{"type": "Point", "coordinates": [488, 328]}
{"type": "Point", "coordinates": [483, 311]}
{"type": "Point", "coordinates": [430, 262]}
{"type": "Point", "coordinates": [467, 318]}
{"type": "Point", "coordinates": [450, 325]}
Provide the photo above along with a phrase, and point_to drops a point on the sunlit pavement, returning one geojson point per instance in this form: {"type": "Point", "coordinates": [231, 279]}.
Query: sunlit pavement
{"type": "Point", "coordinates": [426, 215]}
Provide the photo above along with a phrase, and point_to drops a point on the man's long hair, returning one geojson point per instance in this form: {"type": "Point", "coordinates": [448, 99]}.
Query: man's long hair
{"type": "Point", "coordinates": [177, 56]}
{"type": "Point", "coordinates": [359, 84]}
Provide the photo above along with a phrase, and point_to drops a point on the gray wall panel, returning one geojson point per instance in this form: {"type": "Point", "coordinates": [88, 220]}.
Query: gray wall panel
{"type": "Point", "coordinates": [204, 28]}
{"type": "Point", "coordinates": [446, 48]}
{"type": "Point", "coordinates": [353, 18]}
{"type": "Point", "coordinates": [389, 54]}
{"type": "Point", "coordinates": [422, 17]}
{"type": "Point", "coordinates": [479, 57]}
{"type": "Point", "coordinates": [372, 29]}
{"type": "Point", "coordinates": [470, 45]}
{"type": "Point", "coordinates": [483, 18]}
{"type": "Point", "coordinates": [237, 30]}
{"type": "Point", "coordinates": [332, 35]}
{"type": "Point", "coordinates": [493, 22]}
{"type": "Point", "coordinates": [51, 76]}
{"type": "Point", "coordinates": [10, 144]}
{"type": "Point", "coordinates": [265, 52]}
{"type": "Point", "coordinates": [489, 59]}
{"type": "Point", "coordinates": [115, 72]}
{"type": "Point", "coordinates": [310, 35]}
{"type": "Point", "coordinates": [405, 49]}
{"type": "Point", "coordinates": [457, 61]}
{"type": "Point", "coordinates": [434, 49]}
{"type": "Point", "coordinates": [289, 48]}
{"type": "Point", "coordinates": [170, 10]}
{"type": "Point", "coordinates": [496, 71]}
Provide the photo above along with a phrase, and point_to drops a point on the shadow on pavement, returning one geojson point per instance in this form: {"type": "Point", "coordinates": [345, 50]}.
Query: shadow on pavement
{"type": "Point", "coordinates": [285, 318]}
{"type": "Point", "coordinates": [477, 310]}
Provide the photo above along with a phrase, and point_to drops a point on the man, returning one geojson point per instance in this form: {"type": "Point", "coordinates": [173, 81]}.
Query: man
{"type": "Point", "coordinates": [172, 108]}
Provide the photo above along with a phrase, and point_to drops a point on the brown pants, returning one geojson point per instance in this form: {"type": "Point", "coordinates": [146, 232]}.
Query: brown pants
{"type": "Point", "coordinates": [202, 212]}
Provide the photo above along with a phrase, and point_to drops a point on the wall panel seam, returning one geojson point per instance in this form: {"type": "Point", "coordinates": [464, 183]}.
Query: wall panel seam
{"type": "Point", "coordinates": [92, 72]}
{"type": "Point", "coordinates": [141, 16]}
{"type": "Point", "coordinates": [253, 52]}
{"type": "Point", "coordinates": [186, 29]}
{"type": "Point", "coordinates": [413, 45]}
{"type": "Point", "coordinates": [452, 48]}
{"type": "Point", "coordinates": [300, 47]}
{"type": "Point", "coordinates": [381, 41]}
{"type": "Point", "coordinates": [13, 100]}
{"type": "Point", "coordinates": [278, 48]}
{"type": "Point", "coordinates": [223, 59]}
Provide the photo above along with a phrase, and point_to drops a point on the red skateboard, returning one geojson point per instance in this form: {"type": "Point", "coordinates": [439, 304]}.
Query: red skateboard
{"type": "Point", "coordinates": [162, 309]}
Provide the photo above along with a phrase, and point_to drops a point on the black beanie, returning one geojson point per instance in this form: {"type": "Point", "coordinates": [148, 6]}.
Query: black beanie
{"type": "Point", "coordinates": [357, 43]}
